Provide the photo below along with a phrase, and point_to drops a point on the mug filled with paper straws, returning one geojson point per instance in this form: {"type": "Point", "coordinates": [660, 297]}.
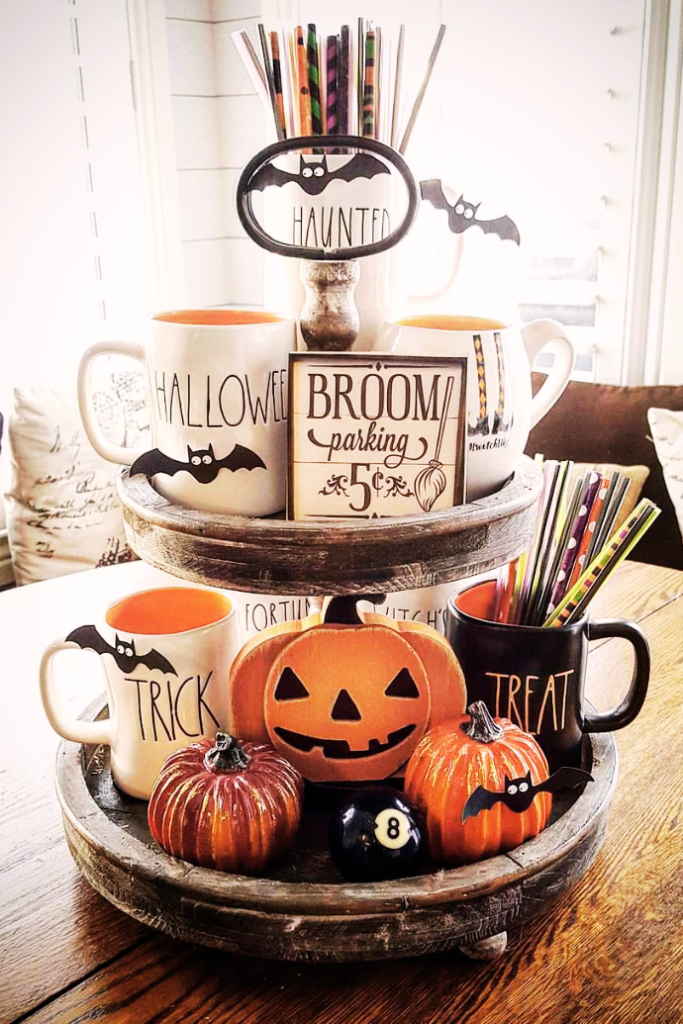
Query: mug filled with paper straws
{"type": "Point", "coordinates": [346, 82]}
{"type": "Point", "coordinates": [352, 81]}
{"type": "Point", "coordinates": [522, 639]}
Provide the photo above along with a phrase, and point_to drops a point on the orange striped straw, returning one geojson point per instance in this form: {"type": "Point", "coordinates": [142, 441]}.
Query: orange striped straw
{"type": "Point", "coordinates": [302, 70]}
{"type": "Point", "coordinates": [277, 81]}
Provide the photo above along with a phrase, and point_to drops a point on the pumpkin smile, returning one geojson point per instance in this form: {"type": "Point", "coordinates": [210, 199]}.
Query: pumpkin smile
{"type": "Point", "coordinates": [340, 750]}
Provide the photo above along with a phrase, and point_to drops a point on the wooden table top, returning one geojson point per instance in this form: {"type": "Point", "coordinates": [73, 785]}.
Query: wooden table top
{"type": "Point", "coordinates": [609, 951]}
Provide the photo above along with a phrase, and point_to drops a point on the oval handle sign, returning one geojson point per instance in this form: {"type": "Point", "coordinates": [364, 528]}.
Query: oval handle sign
{"type": "Point", "coordinates": [334, 197]}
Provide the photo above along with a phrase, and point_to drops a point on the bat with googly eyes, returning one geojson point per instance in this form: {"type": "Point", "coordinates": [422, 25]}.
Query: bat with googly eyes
{"type": "Point", "coordinates": [122, 651]}
{"type": "Point", "coordinates": [463, 215]}
{"type": "Point", "coordinates": [519, 794]}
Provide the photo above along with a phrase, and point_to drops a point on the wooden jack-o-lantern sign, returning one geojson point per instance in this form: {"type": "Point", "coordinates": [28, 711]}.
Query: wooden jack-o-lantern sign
{"type": "Point", "coordinates": [345, 698]}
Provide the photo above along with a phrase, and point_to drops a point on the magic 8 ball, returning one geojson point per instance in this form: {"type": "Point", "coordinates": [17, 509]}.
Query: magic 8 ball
{"type": "Point", "coordinates": [374, 835]}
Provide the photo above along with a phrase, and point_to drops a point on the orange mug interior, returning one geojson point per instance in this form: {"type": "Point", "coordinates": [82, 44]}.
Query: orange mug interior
{"type": "Point", "coordinates": [168, 610]}
{"type": "Point", "coordinates": [478, 602]}
{"type": "Point", "coordinates": [219, 317]}
{"type": "Point", "coordinates": [448, 322]}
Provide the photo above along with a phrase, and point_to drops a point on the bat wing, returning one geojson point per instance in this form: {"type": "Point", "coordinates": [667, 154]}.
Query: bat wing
{"type": "Point", "coordinates": [154, 660]}
{"type": "Point", "coordinates": [432, 191]}
{"type": "Point", "coordinates": [241, 458]}
{"type": "Point", "coordinates": [564, 778]}
{"type": "Point", "coordinates": [504, 227]}
{"type": "Point", "coordinates": [270, 176]}
{"type": "Point", "coordinates": [480, 800]}
{"type": "Point", "coordinates": [88, 638]}
{"type": "Point", "coordinates": [362, 165]}
{"type": "Point", "coordinates": [155, 461]}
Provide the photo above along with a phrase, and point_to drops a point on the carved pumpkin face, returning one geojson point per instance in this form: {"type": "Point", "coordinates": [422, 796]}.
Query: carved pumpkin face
{"type": "Point", "coordinates": [346, 702]}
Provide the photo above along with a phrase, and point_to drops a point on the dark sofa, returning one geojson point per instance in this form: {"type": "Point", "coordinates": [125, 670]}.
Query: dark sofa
{"type": "Point", "coordinates": [605, 423]}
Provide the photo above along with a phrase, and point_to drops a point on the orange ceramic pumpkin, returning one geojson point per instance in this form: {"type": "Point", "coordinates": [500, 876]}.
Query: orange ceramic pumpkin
{"type": "Point", "coordinates": [345, 698]}
{"type": "Point", "coordinates": [233, 807]}
{"type": "Point", "coordinates": [454, 759]}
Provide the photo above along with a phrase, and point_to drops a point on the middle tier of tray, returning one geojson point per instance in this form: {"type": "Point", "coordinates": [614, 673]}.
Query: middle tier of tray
{"type": "Point", "coordinates": [277, 556]}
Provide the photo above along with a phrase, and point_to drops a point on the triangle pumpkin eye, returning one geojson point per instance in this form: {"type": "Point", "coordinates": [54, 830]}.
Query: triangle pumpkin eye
{"type": "Point", "coordinates": [402, 685]}
{"type": "Point", "coordinates": [290, 687]}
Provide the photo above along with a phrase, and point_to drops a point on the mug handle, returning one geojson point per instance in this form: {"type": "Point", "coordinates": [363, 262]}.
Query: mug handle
{"type": "Point", "coordinates": [625, 712]}
{"type": "Point", "coordinates": [536, 335]}
{"type": "Point", "coordinates": [60, 719]}
{"type": "Point", "coordinates": [112, 452]}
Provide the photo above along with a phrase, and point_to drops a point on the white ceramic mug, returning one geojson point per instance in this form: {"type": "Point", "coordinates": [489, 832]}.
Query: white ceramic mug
{"type": "Point", "coordinates": [500, 408]}
{"type": "Point", "coordinates": [217, 393]}
{"type": "Point", "coordinates": [166, 656]}
{"type": "Point", "coordinates": [428, 604]}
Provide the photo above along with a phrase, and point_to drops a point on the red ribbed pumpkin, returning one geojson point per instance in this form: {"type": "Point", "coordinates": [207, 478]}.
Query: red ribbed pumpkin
{"type": "Point", "coordinates": [233, 807]}
{"type": "Point", "coordinates": [450, 762]}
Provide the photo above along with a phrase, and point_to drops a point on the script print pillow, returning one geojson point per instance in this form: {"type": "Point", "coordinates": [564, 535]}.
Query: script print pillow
{"type": "Point", "coordinates": [63, 512]}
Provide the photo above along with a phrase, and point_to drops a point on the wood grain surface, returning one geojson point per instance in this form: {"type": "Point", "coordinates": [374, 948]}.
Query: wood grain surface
{"type": "Point", "coordinates": [279, 557]}
{"type": "Point", "coordinates": [301, 909]}
{"type": "Point", "coordinates": [609, 951]}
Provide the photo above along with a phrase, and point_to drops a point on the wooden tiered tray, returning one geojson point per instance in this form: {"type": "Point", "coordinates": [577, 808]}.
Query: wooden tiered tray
{"type": "Point", "coordinates": [303, 909]}
{"type": "Point", "coordinates": [278, 557]}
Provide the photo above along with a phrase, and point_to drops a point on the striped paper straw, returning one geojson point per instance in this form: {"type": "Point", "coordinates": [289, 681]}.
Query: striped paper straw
{"type": "Point", "coordinates": [369, 86]}
{"type": "Point", "coordinates": [332, 76]}
{"type": "Point", "coordinates": [277, 81]}
{"type": "Point", "coordinates": [581, 562]}
{"type": "Point", "coordinates": [343, 82]}
{"type": "Point", "coordinates": [302, 72]}
{"type": "Point", "coordinates": [623, 541]}
{"type": "Point", "coordinates": [314, 81]}
{"type": "Point", "coordinates": [587, 499]}
{"type": "Point", "coordinates": [279, 125]}
{"type": "Point", "coordinates": [360, 73]}
{"type": "Point", "coordinates": [378, 82]}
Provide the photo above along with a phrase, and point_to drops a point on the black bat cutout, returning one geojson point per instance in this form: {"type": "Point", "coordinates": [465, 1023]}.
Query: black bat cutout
{"type": "Point", "coordinates": [201, 463]}
{"type": "Point", "coordinates": [463, 215]}
{"type": "Point", "coordinates": [123, 652]}
{"type": "Point", "coordinates": [314, 177]}
{"type": "Point", "coordinates": [519, 793]}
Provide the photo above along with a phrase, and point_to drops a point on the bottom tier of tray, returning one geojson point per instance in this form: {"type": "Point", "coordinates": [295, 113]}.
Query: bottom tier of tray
{"type": "Point", "coordinates": [303, 909]}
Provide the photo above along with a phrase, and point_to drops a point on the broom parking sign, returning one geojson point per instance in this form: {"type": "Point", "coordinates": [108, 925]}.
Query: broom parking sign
{"type": "Point", "coordinates": [375, 436]}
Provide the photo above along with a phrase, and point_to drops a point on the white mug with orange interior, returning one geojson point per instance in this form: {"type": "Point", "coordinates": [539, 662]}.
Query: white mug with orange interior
{"type": "Point", "coordinates": [500, 408]}
{"type": "Point", "coordinates": [166, 656]}
{"type": "Point", "coordinates": [217, 394]}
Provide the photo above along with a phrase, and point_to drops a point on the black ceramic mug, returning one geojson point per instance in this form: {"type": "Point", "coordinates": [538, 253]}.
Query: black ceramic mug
{"type": "Point", "coordinates": [535, 676]}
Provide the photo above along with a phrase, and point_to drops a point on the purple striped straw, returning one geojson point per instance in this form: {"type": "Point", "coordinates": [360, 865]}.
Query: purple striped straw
{"type": "Point", "coordinates": [331, 106]}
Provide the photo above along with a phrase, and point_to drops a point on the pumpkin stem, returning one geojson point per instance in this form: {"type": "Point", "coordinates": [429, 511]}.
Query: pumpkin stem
{"type": "Point", "coordinates": [481, 726]}
{"type": "Point", "coordinates": [343, 608]}
{"type": "Point", "coordinates": [226, 755]}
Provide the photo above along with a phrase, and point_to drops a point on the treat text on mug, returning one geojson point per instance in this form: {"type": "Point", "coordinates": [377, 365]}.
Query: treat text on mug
{"type": "Point", "coordinates": [514, 695]}
{"type": "Point", "coordinates": [173, 709]}
{"type": "Point", "coordinates": [210, 401]}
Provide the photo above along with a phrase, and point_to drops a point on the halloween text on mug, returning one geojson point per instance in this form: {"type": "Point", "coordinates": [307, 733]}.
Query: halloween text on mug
{"type": "Point", "coordinates": [212, 400]}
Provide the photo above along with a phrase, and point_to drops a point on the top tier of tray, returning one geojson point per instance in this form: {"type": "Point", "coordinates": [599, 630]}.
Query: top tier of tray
{"type": "Point", "coordinates": [276, 556]}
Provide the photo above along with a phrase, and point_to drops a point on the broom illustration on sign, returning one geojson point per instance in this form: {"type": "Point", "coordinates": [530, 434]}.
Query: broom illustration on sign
{"type": "Point", "coordinates": [430, 482]}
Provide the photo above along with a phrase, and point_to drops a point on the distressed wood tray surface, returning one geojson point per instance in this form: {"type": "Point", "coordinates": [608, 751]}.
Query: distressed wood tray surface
{"type": "Point", "coordinates": [279, 557]}
{"type": "Point", "coordinates": [303, 909]}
